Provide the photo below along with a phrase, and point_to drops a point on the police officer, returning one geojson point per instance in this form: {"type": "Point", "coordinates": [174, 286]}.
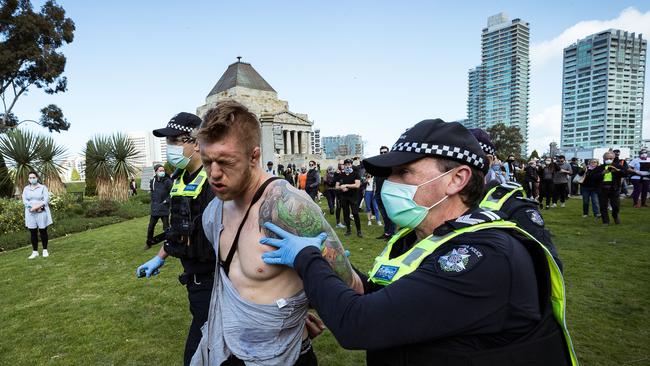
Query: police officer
{"type": "Point", "coordinates": [457, 285]}
{"type": "Point", "coordinates": [190, 194]}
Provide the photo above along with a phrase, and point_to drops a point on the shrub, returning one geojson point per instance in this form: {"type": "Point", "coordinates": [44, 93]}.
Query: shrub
{"type": "Point", "coordinates": [12, 215]}
{"type": "Point", "coordinates": [62, 201]}
{"type": "Point", "coordinates": [102, 209]}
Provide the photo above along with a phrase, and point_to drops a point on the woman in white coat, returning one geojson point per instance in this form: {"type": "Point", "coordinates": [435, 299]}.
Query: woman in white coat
{"type": "Point", "coordinates": [37, 213]}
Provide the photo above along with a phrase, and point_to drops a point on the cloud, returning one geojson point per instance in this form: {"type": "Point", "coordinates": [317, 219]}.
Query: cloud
{"type": "Point", "coordinates": [544, 128]}
{"type": "Point", "coordinates": [630, 19]}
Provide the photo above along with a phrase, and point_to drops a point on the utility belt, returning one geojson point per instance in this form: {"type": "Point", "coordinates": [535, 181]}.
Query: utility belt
{"type": "Point", "coordinates": [196, 278]}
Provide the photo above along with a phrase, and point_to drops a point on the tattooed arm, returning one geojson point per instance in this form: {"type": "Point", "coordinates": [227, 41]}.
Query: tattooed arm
{"type": "Point", "coordinates": [295, 212]}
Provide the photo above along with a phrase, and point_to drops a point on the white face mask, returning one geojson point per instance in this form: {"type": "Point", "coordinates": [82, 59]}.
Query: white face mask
{"type": "Point", "coordinates": [400, 205]}
{"type": "Point", "coordinates": [608, 161]}
{"type": "Point", "coordinates": [175, 156]}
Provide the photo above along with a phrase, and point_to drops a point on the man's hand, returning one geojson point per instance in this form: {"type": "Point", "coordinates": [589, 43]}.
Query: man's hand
{"type": "Point", "coordinates": [288, 245]}
{"type": "Point", "coordinates": [150, 268]}
{"type": "Point", "coordinates": [314, 325]}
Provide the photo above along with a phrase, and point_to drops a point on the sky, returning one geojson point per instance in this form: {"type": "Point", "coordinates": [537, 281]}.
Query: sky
{"type": "Point", "coordinates": [372, 68]}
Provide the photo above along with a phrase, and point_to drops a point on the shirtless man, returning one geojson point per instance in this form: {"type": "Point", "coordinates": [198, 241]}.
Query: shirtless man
{"type": "Point", "coordinates": [257, 311]}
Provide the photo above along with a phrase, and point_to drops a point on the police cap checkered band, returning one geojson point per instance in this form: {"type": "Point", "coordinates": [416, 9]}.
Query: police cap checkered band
{"type": "Point", "coordinates": [432, 137]}
{"type": "Point", "coordinates": [446, 151]}
{"type": "Point", "coordinates": [181, 123]}
{"type": "Point", "coordinates": [179, 127]}
{"type": "Point", "coordinates": [487, 148]}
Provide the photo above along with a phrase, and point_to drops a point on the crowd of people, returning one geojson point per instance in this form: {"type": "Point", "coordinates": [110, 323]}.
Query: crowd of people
{"type": "Point", "coordinates": [601, 183]}
{"type": "Point", "coordinates": [346, 187]}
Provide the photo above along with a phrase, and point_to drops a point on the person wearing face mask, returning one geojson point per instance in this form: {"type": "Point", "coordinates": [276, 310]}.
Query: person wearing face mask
{"type": "Point", "coordinates": [330, 185]}
{"type": "Point", "coordinates": [639, 169]}
{"type": "Point", "coordinates": [547, 171]}
{"type": "Point", "coordinates": [454, 286]}
{"type": "Point", "coordinates": [189, 196]}
{"type": "Point", "coordinates": [589, 189]}
{"type": "Point", "coordinates": [608, 180]}
{"type": "Point", "coordinates": [531, 180]}
{"type": "Point", "coordinates": [36, 199]}
{"type": "Point", "coordinates": [348, 186]}
{"type": "Point", "coordinates": [159, 186]}
{"type": "Point", "coordinates": [312, 180]}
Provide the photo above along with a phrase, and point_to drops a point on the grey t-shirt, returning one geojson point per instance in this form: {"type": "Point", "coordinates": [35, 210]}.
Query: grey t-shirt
{"type": "Point", "coordinates": [561, 177]}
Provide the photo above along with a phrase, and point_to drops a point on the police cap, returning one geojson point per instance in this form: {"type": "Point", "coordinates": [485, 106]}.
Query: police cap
{"type": "Point", "coordinates": [434, 138]}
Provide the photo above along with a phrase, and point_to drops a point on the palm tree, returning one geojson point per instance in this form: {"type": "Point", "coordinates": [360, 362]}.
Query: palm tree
{"type": "Point", "coordinates": [49, 155]}
{"type": "Point", "coordinates": [100, 165]}
{"type": "Point", "coordinates": [20, 151]}
{"type": "Point", "coordinates": [123, 153]}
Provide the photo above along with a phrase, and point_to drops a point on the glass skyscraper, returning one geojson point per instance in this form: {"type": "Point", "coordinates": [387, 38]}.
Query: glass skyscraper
{"type": "Point", "coordinates": [473, 82]}
{"type": "Point", "coordinates": [342, 146]}
{"type": "Point", "coordinates": [501, 95]}
{"type": "Point", "coordinates": [602, 91]}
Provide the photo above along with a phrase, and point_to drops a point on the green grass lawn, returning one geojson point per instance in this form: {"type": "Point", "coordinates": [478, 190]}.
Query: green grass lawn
{"type": "Point", "coordinates": [84, 306]}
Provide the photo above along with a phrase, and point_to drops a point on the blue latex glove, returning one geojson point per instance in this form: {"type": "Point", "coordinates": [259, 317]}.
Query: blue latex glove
{"type": "Point", "coordinates": [288, 245]}
{"type": "Point", "coordinates": [150, 268]}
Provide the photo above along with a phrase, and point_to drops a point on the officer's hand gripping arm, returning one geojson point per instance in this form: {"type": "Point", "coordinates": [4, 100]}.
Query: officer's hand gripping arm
{"type": "Point", "coordinates": [295, 213]}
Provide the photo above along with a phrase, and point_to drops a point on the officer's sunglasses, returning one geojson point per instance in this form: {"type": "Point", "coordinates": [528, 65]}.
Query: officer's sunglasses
{"type": "Point", "coordinates": [177, 140]}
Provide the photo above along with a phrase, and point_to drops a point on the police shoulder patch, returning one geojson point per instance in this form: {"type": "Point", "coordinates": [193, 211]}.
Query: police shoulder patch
{"type": "Point", "coordinates": [459, 259]}
{"type": "Point", "coordinates": [535, 217]}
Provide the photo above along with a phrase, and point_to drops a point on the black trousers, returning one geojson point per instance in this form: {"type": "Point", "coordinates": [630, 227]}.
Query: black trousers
{"type": "Point", "coordinates": [389, 226]}
{"type": "Point", "coordinates": [199, 290]}
{"type": "Point", "coordinates": [330, 195]}
{"type": "Point", "coordinates": [350, 204]}
{"type": "Point", "coordinates": [34, 238]}
{"type": "Point", "coordinates": [338, 207]}
{"type": "Point", "coordinates": [546, 191]}
{"type": "Point", "coordinates": [153, 220]}
{"type": "Point", "coordinates": [608, 195]}
{"type": "Point", "coordinates": [560, 192]}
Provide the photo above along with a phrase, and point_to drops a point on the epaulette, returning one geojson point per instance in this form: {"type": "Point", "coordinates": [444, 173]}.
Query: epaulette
{"type": "Point", "coordinates": [475, 217]}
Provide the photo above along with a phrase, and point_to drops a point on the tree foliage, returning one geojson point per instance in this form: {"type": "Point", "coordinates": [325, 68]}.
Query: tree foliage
{"type": "Point", "coordinates": [26, 151]}
{"type": "Point", "coordinates": [29, 57]}
{"type": "Point", "coordinates": [74, 175]}
{"type": "Point", "coordinates": [507, 139]}
{"type": "Point", "coordinates": [533, 155]}
{"type": "Point", "coordinates": [109, 164]}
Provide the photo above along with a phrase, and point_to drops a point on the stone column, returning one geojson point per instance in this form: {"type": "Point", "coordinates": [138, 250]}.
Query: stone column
{"type": "Point", "coordinates": [294, 142]}
{"type": "Point", "coordinates": [284, 139]}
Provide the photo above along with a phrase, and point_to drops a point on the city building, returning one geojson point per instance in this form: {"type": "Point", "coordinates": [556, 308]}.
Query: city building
{"type": "Point", "coordinates": [77, 163]}
{"type": "Point", "coordinates": [340, 147]}
{"type": "Point", "coordinates": [473, 83]}
{"type": "Point", "coordinates": [286, 135]}
{"type": "Point", "coordinates": [602, 91]}
{"type": "Point", "coordinates": [498, 87]}
{"type": "Point", "coordinates": [151, 150]}
{"type": "Point", "coordinates": [316, 146]}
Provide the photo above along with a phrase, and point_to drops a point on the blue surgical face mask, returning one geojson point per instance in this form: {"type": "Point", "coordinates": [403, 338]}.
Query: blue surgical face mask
{"type": "Point", "coordinates": [348, 170]}
{"type": "Point", "coordinates": [399, 203]}
{"type": "Point", "coordinates": [161, 174]}
{"type": "Point", "coordinates": [175, 156]}
{"type": "Point", "coordinates": [33, 181]}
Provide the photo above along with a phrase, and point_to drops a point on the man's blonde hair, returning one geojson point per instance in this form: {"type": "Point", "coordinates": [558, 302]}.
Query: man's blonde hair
{"type": "Point", "coordinates": [230, 118]}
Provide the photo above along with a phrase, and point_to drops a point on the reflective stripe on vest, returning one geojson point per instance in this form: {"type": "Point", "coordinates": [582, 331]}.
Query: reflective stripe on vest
{"type": "Point", "coordinates": [192, 189]}
{"type": "Point", "coordinates": [386, 270]}
{"type": "Point", "coordinates": [490, 202]}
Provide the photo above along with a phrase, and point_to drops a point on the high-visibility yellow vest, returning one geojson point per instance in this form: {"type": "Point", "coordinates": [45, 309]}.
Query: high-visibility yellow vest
{"type": "Point", "coordinates": [387, 270]}
{"type": "Point", "coordinates": [494, 202]}
{"type": "Point", "coordinates": [192, 189]}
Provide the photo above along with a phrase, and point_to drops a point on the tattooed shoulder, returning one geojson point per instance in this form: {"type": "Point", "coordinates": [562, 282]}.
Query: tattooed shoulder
{"type": "Point", "coordinates": [291, 209]}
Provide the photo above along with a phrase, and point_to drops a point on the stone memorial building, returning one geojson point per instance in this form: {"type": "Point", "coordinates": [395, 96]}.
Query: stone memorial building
{"type": "Point", "coordinates": [286, 135]}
